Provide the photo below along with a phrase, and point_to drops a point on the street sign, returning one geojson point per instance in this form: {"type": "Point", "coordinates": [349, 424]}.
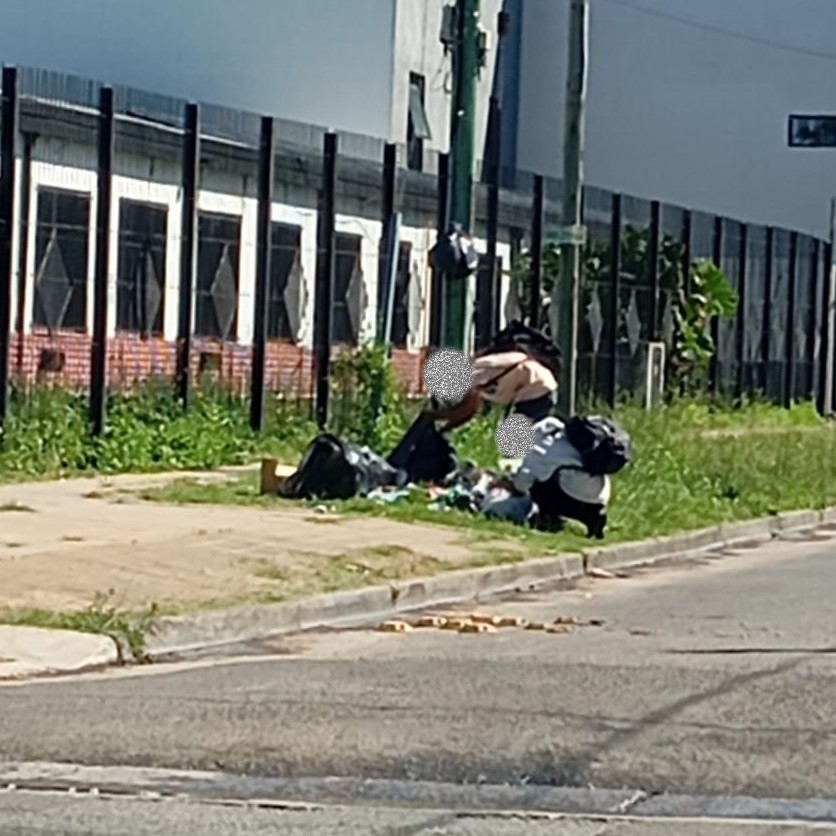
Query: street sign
{"type": "Point", "coordinates": [563, 236]}
{"type": "Point", "coordinates": [811, 131]}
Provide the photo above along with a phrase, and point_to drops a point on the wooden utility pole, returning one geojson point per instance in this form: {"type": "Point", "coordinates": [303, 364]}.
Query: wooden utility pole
{"type": "Point", "coordinates": [564, 314]}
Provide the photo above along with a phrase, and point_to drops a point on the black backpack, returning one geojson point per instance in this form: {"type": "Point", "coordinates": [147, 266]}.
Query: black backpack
{"type": "Point", "coordinates": [332, 469]}
{"type": "Point", "coordinates": [519, 337]}
{"type": "Point", "coordinates": [605, 447]}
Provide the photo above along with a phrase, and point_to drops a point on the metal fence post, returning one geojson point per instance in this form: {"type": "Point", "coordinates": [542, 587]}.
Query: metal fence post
{"type": "Point", "coordinates": [188, 248]}
{"type": "Point", "coordinates": [263, 247]}
{"type": "Point", "coordinates": [812, 337]}
{"type": "Point", "coordinates": [323, 294]}
{"type": "Point", "coordinates": [615, 295]}
{"type": "Point", "coordinates": [717, 259]}
{"type": "Point", "coordinates": [390, 184]}
{"type": "Point", "coordinates": [536, 283]}
{"type": "Point", "coordinates": [826, 342]}
{"type": "Point", "coordinates": [789, 329]}
{"type": "Point", "coordinates": [687, 223]}
{"type": "Point", "coordinates": [442, 221]}
{"type": "Point", "coordinates": [104, 195]}
{"type": "Point", "coordinates": [766, 324]}
{"type": "Point", "coordinates": [652, 267]}
{"type": "Point", "coordinates": [8, 137]}
{"type": "Point", "coordinates": [740, 333]}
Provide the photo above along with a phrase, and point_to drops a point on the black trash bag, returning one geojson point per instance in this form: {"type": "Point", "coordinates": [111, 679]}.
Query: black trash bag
{"type": "Point", "coordinates": [423, 453]}
{"type": "Point", "coordinates": [454, 254]}
{"type": "Point", "coordinates": [554, 506]}
{"type": "Point", "coordinates": [605, 447]}
{"type": "Point", "coordinates": [333, 469]}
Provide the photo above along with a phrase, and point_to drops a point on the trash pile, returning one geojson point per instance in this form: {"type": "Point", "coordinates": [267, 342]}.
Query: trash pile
{"type": "Point", "coordinates": [565, 475]}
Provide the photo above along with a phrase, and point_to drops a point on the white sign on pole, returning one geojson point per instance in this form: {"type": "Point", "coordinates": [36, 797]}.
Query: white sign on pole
{"type": "Point", "coordinates": [567, 236]}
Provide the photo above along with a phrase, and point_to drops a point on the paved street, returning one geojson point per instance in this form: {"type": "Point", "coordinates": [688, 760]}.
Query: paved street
{"type": "Point", "coordinates": [709, 680]}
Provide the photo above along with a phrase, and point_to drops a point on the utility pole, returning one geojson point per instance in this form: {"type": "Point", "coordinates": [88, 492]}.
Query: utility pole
{"type": "Point", "coordinates": [465, 44]}
{"type": "Point", "coordinates": [564, 315]}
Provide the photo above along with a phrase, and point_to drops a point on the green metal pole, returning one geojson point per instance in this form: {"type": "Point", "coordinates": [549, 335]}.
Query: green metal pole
{"type": "Point", "coordinates": [462, 141]}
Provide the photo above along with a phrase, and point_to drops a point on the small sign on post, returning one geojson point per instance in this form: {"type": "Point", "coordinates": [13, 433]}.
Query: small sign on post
{"type": "Point", "coordinates": [567, 236]}
{"type": "Point", "coordinates": [811, 131]}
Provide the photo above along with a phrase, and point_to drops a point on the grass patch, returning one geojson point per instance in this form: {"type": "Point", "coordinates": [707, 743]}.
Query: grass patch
{"type": "Point", "coordinates": [129, 630]}
{"type": "Point", "coordinates": [765, 461]}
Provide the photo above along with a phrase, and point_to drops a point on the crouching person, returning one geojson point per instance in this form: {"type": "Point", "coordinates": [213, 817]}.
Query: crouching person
{"type": "Point", "coordinates": [554, 475]}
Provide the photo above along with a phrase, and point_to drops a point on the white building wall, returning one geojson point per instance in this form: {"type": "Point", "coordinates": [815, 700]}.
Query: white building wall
{"type": "Point", "coordinates": [418, 49]}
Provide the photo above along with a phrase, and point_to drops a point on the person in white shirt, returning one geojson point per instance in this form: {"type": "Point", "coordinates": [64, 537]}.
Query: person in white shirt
{"type": "Point", "coordinates": [552, 474]}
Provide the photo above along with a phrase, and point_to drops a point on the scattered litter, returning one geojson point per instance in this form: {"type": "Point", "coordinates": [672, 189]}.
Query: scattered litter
{"type": "Point", "coordinates": [394, 627]}
{"type": "Point", "coordinates": [320, 509]}
{"type": "Point", "coordinates": [559, 628]}
{"type": "Point", "coordinates": [596, 622]}
{"type": "Point", "coordinates": [535, 625]}
{"type": "Point", "coordinates": [512, 621]}
{"type": "Point", "coordinates": [482, 618]}
{"type": "Point", "coordinates": [470, 627]}
{"type": "Point", "coordinates": [454, 623]}
{"type": "Point", "coordinates": [603, 574]}
{"type": "Point", "coordinates": [431, 621]}
{"type": "Point", "coordinates": [568, 620]}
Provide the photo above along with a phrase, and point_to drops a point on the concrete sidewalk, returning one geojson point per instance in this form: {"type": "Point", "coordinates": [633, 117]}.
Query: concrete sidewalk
{"type": "Point", "coordinates": [32, 651]}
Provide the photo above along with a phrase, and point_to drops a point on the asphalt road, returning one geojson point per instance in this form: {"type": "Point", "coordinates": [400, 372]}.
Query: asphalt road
{"type": "Point", "coordinates": [711, 680]}
{"type": "Point", "coordinates": [51, 815]}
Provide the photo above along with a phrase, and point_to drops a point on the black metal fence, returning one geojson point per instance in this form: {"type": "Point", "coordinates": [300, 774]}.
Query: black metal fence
{"type": "Point", "coordinates": [776, 347]}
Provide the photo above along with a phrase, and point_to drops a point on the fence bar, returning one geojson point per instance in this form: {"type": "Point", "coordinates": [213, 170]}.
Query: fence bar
{"type": "Point", "coordinates": [263, 251]}
{"type": "Point", "coordinates": [789, 328]}
{"type": "Point", "coordinates": [687, 224]}
{"type": "Point", "coordinates": [812, 339]}
{"type": "Point", "coordinates": [487, 287]}
{"type": "Point", "coordinates": [652, 267]}
{"type": "Point", "coordinates": [825, 399]}
{"type": "Point", "coordinates": [740, 330]}
{"type": "Point", "coordinates": [437, 281]}
{"type": "Point", "coordinates": [188, 248]}
{"type": "Point", "coordinates": [323, 293]}
{"type": "Point", "coordinates": [8, 135]}
{"type": "Point", "coordinates": [104, 194]}
{"type": "Point", "coordinates": [766, 324]}
{"type": "Point", "coordinates": [717, 258]}
{"type": "Point", "coordinates": [537, 212]}
{"type": "Point", "coordinates": [615, 295]}
{"type": "Point", "coordinates": [390, 184]}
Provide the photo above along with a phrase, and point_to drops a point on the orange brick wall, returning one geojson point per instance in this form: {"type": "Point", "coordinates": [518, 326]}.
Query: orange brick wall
{"type": "Point", "coordinates": [130, 359]}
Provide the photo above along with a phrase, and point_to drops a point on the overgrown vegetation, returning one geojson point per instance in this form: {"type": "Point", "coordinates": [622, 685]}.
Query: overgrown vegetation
{"type": "Point", "coordinates": [699, 295]}
{"type": "Point", "coordinates": [128, 630]}
{"type": "Point", "coordinates": [696, 465]}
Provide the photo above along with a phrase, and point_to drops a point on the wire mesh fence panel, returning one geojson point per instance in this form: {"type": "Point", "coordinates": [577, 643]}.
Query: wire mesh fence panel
{"type": "Point", "coordinates": [804, 320]}
{"type": "Point", "coordinates": [54, 292]}
{"type": "Point", "coordinates": [702, 236]}
{"type": "Point", "coordinates": [753, 376]}
{"type": "Point", "coordinates": [672, 276]}
{"type": "Point", "coordinates": [635, 295]}
{"type": "Point", "coordinates": [777, 371]}
{"type": "Point", "coordinates": [596, 323]}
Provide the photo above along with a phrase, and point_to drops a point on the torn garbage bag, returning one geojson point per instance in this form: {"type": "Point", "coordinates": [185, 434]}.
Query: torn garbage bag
{"type": "Point", "coordinates": [423, 453]}
{"type": "Point", "coordinates": [334, 469]}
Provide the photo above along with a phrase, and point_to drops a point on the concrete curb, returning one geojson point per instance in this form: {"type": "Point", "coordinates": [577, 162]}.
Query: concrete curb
{"type": "Point", "coordinates": [35, 651]}
{"type": "Point", "coordinates": [181, 634]}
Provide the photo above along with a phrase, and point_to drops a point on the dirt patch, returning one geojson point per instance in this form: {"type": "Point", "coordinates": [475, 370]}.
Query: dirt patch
{"type": "Point", "coordinates": [80, 545]}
